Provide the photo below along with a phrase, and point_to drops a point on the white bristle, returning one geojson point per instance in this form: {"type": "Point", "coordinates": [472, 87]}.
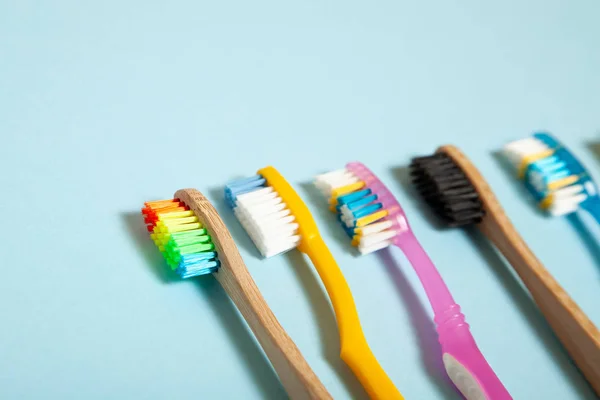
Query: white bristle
{"type": "Point", "coordinates": [376, 227]}
{"type": "Point", "coordinates": [268, 221]}
{"type": "Point", "coordinates": [374, 236]}
{"type": "Point", "coordinates": [375, 247]}
{"type": "Point", "coordinates": [567, 192]}
{"type": "Point", "coordinates": [565, 200]}
{"type": "Point", "coordinates": [369, 240]}
{"type": "Point", "coordinates": [517, 151]}
{"type": "Point", "coordinates": [326, 183]}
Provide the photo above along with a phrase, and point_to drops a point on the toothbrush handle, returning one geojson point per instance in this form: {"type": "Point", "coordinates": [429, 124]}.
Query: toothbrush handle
{"type": "Point", "coordinates": [355, 350]}
{"type": "Point", "coordinates": [574, 329]}
{"type": "Point", "coordinates": [296, 376]}
{"type": "Point", "coordinates": [593, 207]}
{"type": "Point", "coordinates": [465, 364]}
{"type": "Point", "coordinates": [437, 292]}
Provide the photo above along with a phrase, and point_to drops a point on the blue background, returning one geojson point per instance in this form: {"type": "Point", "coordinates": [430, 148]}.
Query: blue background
{"type": "Point", "coordinates": [106, 105]}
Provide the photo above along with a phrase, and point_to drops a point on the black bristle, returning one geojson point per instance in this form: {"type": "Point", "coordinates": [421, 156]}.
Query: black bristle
{"type": "Point", "coordinates": [447, 190]}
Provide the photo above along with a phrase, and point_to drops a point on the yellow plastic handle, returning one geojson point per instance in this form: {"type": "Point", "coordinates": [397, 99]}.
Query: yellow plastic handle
{"type": "Point", "coordinates": [355, 350]}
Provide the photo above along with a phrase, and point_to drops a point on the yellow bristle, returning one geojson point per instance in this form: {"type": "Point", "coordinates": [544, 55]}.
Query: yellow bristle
{"type": "Point", "coordinates": [353, 187]}
{"type": "Point", "coordinates": [569, 180]}
{"type": "Point", "coordinates": [158, 203]}
{"type": "Point", "coordinates": [183, 227]}
{"type": "Point", "coordinates": [531, 159]}
{"type": "Point", "coordinates": [371, 218]}
{"type": "Point", "coordinates": [547, 202]}
{"type": "Point", "coordinates": [179, 221]}
{"type": "Point", "coordinates": [174, 214]}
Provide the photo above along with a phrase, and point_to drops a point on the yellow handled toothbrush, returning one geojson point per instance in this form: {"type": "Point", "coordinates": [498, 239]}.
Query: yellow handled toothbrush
{"type": "Point", "coordinates": [277, 220]}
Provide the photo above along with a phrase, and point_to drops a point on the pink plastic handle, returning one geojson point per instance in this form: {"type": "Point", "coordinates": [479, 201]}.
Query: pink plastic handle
{"type": "Point", "coordinates": [453, 331]}
{"type": "Point", "coordinates": [454, 334]}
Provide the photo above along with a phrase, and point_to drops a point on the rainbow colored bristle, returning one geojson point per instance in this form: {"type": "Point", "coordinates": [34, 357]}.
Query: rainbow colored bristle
{"type": "Point", "coordinates": [181, 238]}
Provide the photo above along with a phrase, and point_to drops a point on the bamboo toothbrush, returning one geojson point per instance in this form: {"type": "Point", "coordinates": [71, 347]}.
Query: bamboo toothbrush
{"type": "Point", "coordinates": [460, 196]}
{"type": "Point", "coordinates": [374, 220]}
{"type": "Point", "coordinates": [277, 220]}
{"type": "Point", "coordinates": [195, 241]}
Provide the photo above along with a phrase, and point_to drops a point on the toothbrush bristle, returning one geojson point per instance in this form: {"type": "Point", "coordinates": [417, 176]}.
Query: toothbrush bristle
{"type": "Point", "coordinates": [263, 214]}
{"type": "Point", "coordinates": [371, 223]}
{"type": "Point", "coordinates": [180, 237]}
{"type": "Point", "coordinates": [447, 190]}
{"type": "Point", "coordinates": [548, 177]}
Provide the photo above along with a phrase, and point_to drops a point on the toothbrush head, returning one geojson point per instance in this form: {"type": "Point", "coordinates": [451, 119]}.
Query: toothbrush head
{"type": "Point", "coordinates": [445, 187]}
{"type": "Point", "coordinates": [366, 209]}
{"type": "Point", "coordinates": [556, 179]}
{"type": "Point", "coordinates": [182, 239]}
{"type": "Point", "coordinates": [271, 212]}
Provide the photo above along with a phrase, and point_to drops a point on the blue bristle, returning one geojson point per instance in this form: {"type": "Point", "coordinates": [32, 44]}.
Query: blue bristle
{"type": "Point", "coordinates": [197, 264]}
{"type": "Point", "coordinates": [349, 231]}
{"type": "Point", "coordinates": [556, 166]}
{"type": "Point", "coordinates": [189, 271]}
{"type": "Point", "coordinates": [348, 198]}
{"type": "Point", "coordinates": [370, 209]}
{"type": "Point", "coordinates": [558, 175]}
{"type": "Point", "coordinates": [241, 186]}
{"type": "Point", "coordinates": [195, 257]}
{"type": "Point", "coordinates": [545, 161]}
{"type": "Point", "coordinates": [355, 205]}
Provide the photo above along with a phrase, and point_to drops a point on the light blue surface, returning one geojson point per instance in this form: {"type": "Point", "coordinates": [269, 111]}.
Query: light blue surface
{"type": "Point", "coordinates": [105, 106]}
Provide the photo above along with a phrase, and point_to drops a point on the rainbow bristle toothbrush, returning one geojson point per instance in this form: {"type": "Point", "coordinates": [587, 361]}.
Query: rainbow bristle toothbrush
{"type": "Point", "coordinates": [374, 220]}
{"type": "Point", "coordinates": [194, 241]}
{"type": "Point", "coordinates": [557, 180]}
{"type": "Point", "coordinates": [277, 220]}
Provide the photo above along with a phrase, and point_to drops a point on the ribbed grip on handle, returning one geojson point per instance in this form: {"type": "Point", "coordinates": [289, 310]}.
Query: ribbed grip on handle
{"type": "Point", "coordinates": [449, 321]}
{"type": "Point", "coordinates": [465, 364]}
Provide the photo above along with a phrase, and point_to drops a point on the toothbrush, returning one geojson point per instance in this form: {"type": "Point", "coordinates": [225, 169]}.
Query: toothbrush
{"type": "Point", "coordinates": [551, 173]}
{"type": "Point", "coordinates": [460, 196]}
{"type": "Point", "coordinates": [194, 241]}
{"type": "Point", "coordinates": [277, 220]}
{"type": "Point", "coordinates": [374, 220]}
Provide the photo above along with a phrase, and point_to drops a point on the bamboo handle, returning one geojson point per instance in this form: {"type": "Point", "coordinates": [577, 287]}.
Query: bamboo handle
{"type": "Point", "coordinates": [577, 333]}
{"type": "Point", "coordinates": [294, 372]}
{"type": "Point", "coordinates": [573, 328]}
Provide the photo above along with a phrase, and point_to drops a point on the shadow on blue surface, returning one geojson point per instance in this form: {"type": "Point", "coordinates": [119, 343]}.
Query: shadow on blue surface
{"type": "Point", "coordinates": [321, 208]}
{"type": "Point", "coordinates": [232, 322]}
{"type": "Point", "coordinates": [587, 237]}
{"type": "Point", "coordinates": [325, 318]}
{"type": "Point", "coordinates": [525, 304]}
{"type": "Point", "coordinates": [134, 223]}
{"type": "Point", "coordinates": [240, 336]}
{"type": "Point", "coordinates": [423, 328]}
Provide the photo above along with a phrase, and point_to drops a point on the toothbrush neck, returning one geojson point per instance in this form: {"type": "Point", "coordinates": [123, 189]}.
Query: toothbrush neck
{"type": "Point", "coordinates": [592, 205]}
{"type": "Point", "coordinates": [439, 296]}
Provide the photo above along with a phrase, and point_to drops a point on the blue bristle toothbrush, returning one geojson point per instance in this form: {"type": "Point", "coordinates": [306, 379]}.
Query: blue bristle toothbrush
{"type": "Point", "coordinates": [552, 174]}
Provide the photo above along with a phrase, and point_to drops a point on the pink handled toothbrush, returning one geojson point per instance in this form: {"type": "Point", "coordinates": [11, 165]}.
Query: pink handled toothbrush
{"type": "Point", "coordinates": [373, 218]}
